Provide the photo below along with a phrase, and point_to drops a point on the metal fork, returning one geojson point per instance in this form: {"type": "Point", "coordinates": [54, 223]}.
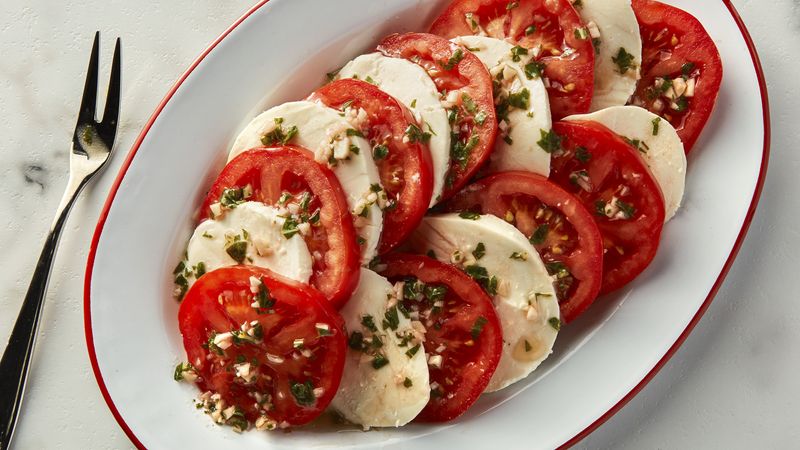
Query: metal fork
{"type": "Point", "coordinates": [91, 148]}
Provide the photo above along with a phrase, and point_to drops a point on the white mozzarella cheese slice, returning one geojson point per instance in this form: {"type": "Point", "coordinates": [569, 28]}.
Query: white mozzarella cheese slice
{"type": "Point", "coordinates": [411, 85]}
{"type": "Point", "coordinates": [526, 302]}
{"type": "Point", "coordinates": [323, 131]}
{"type": "Point", "coordinates": [658, 143]}
{"type": "Point", "coordinates": [516, 147]}
{"type": "Point", "coordinates": [613, 26]}
{"type": "Point", "coordinates": [394, 394]}
{"type": "Point", "coordinates": [260, 227]}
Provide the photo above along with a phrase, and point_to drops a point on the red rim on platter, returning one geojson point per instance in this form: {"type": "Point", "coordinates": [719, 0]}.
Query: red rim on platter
{"type": "Point", "coordinates": [576, 438]}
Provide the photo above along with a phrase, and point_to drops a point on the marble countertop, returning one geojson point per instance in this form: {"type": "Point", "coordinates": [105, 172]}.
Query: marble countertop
{"type": "Point", "coordinates": [733, 384]}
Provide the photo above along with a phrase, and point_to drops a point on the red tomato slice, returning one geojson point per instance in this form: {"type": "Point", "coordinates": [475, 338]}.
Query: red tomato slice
{"type": "Point", "coordinates": [681, 68]}
{"type": "Point", "coordinates": [458, 316]}
{"type": "Point", "coordinates": [613, 181]}
{"type": "Point", "coordinates": [292, 342]}
{"type": "Point", "coordinates": [404, 166]}
{"type": "Point", "coordinates": [561, 229]}
{"type": "Point", "coordinates": [548, 28]}
{"type": "Point", "coordinates": [454, 69]}
{"type": "Point", "coordinates": [285, 175]}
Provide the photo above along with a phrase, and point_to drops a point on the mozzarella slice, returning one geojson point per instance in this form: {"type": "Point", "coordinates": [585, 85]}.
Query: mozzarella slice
{"type": "Point", "coordinates": [524, 127]}
{"type": "Point", "coordinates": [323, 131]}
{"type": "Point", "coordinates": [613, 26]}
{"type": "Point", "coordinates": [392, 395]}
{"type": "Point", "coordinates": [658, 143]}
{"type": "Point", "coordinates": [411, 85]}
{"type": "Point", "coordinates": [526, 302]}
{"type": "Point", "coordinates": [260, 227]}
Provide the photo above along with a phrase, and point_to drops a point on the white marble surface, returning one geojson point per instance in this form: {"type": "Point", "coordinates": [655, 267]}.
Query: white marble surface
{"type": "Point", "coordinates": [732, 385]}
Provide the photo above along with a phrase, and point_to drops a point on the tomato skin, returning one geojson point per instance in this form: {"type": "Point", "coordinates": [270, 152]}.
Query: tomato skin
{"type": "Point", "coordinates": [658, 24]}
{"type": "Point", "coordinates": [469, 367]}
{"type": "Point", "coordinates": [296, 311]}
{"type": "Point", "coordinates": [386, 124]}
{"type": "Point", "coordinates": [271, 171]}
{"type": "Point", "coordinates": [523, 194]}
{"type": "Point", "coordinates": [615, 174]}
{"type": "Point", "coordinates": [569, 60]}
{"type": "Point", "coordinates": [468, 76]}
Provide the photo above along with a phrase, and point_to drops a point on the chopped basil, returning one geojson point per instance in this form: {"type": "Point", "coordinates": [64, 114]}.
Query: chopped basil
{"type": "Point", "coordinates": [356, 341]}
{"type": "Point", "coordinates": [539, 234]}
{"type": "Point", "coordinates": [687, 68]}
{"type": "Point", "coordinates": [554, 322]}
{"type": "Point", "coordinates": [508, 139]}
{"type": "Point", "coordinates": [412, 351]}
{"type": "Point", "coordinates": [199, 269]}
{"type": "Point", "coordinates": [481, 276]}
{"type": "Point", "coordinates": [550, 141]}
{"type": "Point", "coordinates": [627, 209]}
{"type": "Point", "coordinates": [455, 58]}
{"type": "Point", "coordinates": [407, 382]}
{"type": "Point", "coordinates": [414, 103]}
{"type": "Point", "coordinates": [477, 327]}
{"type": "Point", "coordinates": [582, 154]}
{"type": "Point", "coordinates": [391, 319]}
{"type": "Point", "coordinates": [236, 249]}
{"type": "Point", "coordinates": [534, 69]}
{"type": "Point", "coordinates": [332, 75]}
{"type": "Point", "coordinates": [231, 197]}
{"type": "Point", "coordinates": [637, 144]}
{"type": "Point", "coordinates": [530, 30]}
{"type": "Point", "coordinates": [480, 250]}
{"type": "Point", "coordinates": [207, 235]}
{"type": "Point", "coordinates": [238, 420]}
{"type": "Point", "coordinates": [563, 278]}
{"type": "Point", "coordinates": [361, 240]}
{"type": "Point", "coordinates": [369, 80]}
{"type": "Point", "coordinates": [303, 393]}
{"type": "Point", "coordinates": [180, 368]}
{"type": "Point", "coordinates": [520, 99]}
{"type": "Point", "coordinates": [278, 135]}
{"type": "Point", "coordinates": [379, 361]}
{"type": "Point", "coordinates": [415, 134]}
{"type": "Point", "coordinates": [289, 227]}
{"type": "Point", "coordinates": [369, 323]}
{"type": "Point", "coordinates": [435, 293]}
{"type": "Point", "coordinates": [523, 256]}
{"type": "Point", "coordinates": [623, 60]}
{"type": "Point", "coordinates": [469, 215]}
{"type": "Point", "coordinates": [380, 151]}
{"type": "Point", "coordinates": [581, 33]}
{"type": "Point", "coordinates": [600, 207]}
{"type": "Point", "coordinates": [518, 52]}
{"type": "Point", "coordinates": [353, 132]}
{"type": "Point", "coordinates": [681, 104]}
{"type": "Point", "coordinates": [412, 287]}
{"type": "Point", "coordinates": [480, 118]}
{"type": "Point", "coordinates": [656, 123]}
{"type": "Point", "coordinates": [460, 151]}
{"type": "Point", "coordinates": [469, 103]}
{"type": "Point", "coordinates": [263, 298]}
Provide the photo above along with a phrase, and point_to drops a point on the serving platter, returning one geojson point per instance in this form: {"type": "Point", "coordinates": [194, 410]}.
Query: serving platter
{"type": "Point", "coordinates": [269, 56]}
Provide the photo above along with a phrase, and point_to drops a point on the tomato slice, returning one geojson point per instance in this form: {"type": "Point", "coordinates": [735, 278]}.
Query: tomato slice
{"type": "Point", "coordinates": [277, 352]}
{"type": "Point", "coordinates": [561, 229]}
{"type": "Point", "coordinates": [472, 116]}
{"type": "Point", "coordinates": [548, 28]}
{"type": "Point", "coordinates": [681, 68]}
{"type": "Point", "coordinates": [461, 326]}
{"type": "Point", "coordinates": [404, 166]}
{"type": "Point", "coordinates": [288, 176]}
{"type": "Point", "coordinates": [613, 181]}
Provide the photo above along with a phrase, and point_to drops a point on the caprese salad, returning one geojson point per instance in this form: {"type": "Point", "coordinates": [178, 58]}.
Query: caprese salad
{"type": "Point", "coordinates": [415, 232]}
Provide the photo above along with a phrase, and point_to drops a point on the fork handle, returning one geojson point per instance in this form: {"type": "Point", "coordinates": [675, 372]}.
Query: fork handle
{"type": "Point", "coordinates": [17, 356]}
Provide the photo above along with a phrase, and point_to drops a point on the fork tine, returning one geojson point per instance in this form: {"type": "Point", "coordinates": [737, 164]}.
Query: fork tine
{"type": "Point", "coordinates": [89, 101]}
{"type": "Point", "coordinates": [111, 111]}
